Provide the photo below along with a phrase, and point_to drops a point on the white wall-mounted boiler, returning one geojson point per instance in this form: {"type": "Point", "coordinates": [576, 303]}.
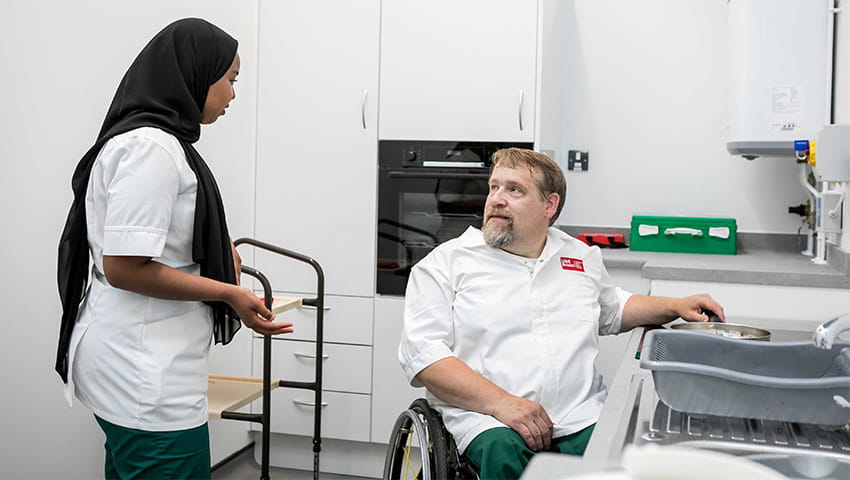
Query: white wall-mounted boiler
{"type": "Point", "coordinates": [780, 73]}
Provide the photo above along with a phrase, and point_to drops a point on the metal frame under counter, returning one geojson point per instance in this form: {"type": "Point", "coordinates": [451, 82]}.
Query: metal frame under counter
{"type": "Point", "coordinates": [610, 435]}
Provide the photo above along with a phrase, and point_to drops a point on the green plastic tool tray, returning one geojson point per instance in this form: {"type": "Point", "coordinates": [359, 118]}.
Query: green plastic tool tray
{"type": "Point", "coordinates": [684, 235]}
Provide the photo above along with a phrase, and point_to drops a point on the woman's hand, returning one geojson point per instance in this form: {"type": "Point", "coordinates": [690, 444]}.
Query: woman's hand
{"type": "Point", "coordinates": [254, 313]}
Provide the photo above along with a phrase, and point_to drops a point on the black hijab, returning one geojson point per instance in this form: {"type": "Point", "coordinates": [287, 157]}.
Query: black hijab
{"type": "Point", "coordinates": [165, 87]}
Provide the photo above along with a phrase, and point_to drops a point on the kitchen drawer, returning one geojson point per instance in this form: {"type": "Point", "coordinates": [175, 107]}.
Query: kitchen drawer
{"type": "Point", "coordinates": [345, 416]}
{"type": "Point", "coordinates": [347, 368]}
{"type": "Point", "coordinates": [347, 319]}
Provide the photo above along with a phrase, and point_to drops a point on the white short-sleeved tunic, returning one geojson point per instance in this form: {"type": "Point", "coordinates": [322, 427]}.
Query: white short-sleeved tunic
{"type": "Point", "coordinates": [530, 326]}
{"type": "Point", "coordinates": [137, 361]}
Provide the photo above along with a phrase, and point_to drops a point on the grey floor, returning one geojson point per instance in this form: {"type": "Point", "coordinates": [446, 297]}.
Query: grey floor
{"type": "Point", "coordinates": [244, 467]}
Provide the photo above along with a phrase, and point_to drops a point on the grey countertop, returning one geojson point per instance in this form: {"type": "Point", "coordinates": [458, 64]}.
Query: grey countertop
{"type": "Point", "coordinates": [762, 259]}
{"type": "Point", "coordinates": [757, 266]}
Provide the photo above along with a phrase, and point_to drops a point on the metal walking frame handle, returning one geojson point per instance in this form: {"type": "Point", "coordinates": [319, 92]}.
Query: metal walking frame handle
{"type": "Point", "coordinates": [316, 385]}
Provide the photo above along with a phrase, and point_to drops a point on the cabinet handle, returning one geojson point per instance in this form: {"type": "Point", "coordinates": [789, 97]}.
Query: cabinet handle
{"type": "Point", "coordinates": [309, 355]}
{"type": "Point", "coordinates": [308, 404]}
{"type": "Point", "coordinates": [363, 109]}
{"type": "Point", "coordinates": [313, 307]}
{"type": "Point", "coordinates": [521, 97]}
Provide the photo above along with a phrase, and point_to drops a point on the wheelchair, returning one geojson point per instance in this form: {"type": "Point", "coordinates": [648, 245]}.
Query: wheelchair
{"type": "Point", "coordinates": [421, 448]}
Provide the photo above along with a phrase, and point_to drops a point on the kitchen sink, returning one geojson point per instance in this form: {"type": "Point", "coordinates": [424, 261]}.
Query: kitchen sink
{"type": "Point", "coordinates": [797, 450]}
{"type": "Point", "coordinates": [634, 415]}
{"type": "Point", "coordinates": [798, 465]}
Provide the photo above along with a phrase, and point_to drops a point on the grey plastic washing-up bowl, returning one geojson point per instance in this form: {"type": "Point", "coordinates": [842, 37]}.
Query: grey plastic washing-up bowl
{"type": "Point", "coordinates": [784, 381]}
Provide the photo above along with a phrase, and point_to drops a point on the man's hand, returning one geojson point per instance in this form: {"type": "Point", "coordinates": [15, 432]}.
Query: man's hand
{"type": "Point", "coordinates": [646, 310]}
{"type": "Point", "coordinates": [453, 382]}
{"type": "Point", "coordinates": [697, 308]}
{"type": "Point", "coordinates": [527, 418]}
{"type": "Point", "coordinates": [237, 263]}
{"type": "Point", "coordinates": [254, 314]}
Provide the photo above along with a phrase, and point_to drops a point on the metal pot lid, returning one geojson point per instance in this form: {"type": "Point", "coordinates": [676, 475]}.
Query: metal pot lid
{"type": "Point", "coordinates": [731, 330]}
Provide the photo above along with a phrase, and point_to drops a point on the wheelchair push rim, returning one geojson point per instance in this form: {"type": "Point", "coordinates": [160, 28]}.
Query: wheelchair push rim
{"type": "Point", "coordinates": [417, 449]}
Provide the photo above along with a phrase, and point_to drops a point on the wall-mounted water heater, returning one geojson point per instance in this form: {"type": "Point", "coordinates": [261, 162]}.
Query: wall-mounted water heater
{"type": "Point", "coordinates": [780, 72]}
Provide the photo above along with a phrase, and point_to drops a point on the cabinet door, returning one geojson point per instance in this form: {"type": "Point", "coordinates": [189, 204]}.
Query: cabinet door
{"type": "Point", "coordinates": [458, 70]}
{"type": "Point", "coordinates": [317, 142]}
{"type": "Point", "coordinates": [391, 393]}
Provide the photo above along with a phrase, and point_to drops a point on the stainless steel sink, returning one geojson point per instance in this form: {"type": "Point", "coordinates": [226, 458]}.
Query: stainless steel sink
{"type": "Point", "coordinates": [804, 465]}
{"type": "Point", "coordinates": [633, 414]}
{"type": "Point", "coordinates": [798, 451]}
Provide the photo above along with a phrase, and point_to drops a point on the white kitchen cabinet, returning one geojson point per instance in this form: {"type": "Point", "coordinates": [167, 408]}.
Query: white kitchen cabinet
{"type": "Point", "coordinates": [345, 416]}
{"type": "Point", "coordinates": [346, 385]}
{"type": "Point", "coordinates": [769, 302]}
{"type": "Point", "coordinates": [391, 393]}
{"type": "Point", "coordinates": [346, 319]}
{"type": "Point", "coordinates": [317, 142]}
{"type": "Point", "coordinates": [346, 368]}
{"type": "Point", "coordinates": [458, 70]}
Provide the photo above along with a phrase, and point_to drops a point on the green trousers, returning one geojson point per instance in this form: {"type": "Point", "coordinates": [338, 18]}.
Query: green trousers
{"type": "Point", "coordinates": [139, 454]}
{"type": "Point", "coordinates": [500, 453]}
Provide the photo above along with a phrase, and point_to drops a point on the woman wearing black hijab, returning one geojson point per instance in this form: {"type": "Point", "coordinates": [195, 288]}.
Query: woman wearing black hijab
{"type": "Point", "coordinates": [135, 334]}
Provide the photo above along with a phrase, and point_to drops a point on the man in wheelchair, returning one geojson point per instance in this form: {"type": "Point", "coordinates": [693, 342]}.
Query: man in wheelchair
{"type": "Point", "coordinates": [501, 323]}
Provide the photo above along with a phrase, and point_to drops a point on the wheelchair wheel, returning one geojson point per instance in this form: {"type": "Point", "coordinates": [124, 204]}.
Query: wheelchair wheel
{"type": "Point", "coordinates": [417, 449]}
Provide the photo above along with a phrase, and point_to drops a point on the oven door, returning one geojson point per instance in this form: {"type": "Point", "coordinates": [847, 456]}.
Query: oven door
{"type": "Point", "coordinates": [418, 209]}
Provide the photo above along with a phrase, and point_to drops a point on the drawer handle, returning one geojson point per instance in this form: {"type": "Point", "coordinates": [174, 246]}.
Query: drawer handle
{"type": "Point", "coordinates": [308, 404]}
{"type": "Point", "coordinates": [313, 307]}
{"type": "Point", "coordinates": [309, 355]}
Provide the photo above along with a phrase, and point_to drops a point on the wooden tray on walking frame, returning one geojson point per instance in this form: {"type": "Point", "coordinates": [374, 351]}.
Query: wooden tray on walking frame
{"type": "Point", "coordinates": [229, 392]}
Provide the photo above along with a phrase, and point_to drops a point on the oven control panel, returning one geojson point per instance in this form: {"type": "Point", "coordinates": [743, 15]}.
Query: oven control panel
{"type": "Point", "coordinates": [440, 154]}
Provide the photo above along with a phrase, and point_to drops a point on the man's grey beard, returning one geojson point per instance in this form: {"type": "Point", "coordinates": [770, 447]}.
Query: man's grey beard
{"type": "Point", "coordinates": [496, 237]}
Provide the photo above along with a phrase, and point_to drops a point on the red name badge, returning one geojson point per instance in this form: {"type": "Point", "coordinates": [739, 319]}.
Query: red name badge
{"type": "Point", "coordinates": [572, 264]}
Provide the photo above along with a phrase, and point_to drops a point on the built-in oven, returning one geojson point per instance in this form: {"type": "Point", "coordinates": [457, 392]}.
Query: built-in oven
{"type": "Point", "coordinates": [428, 192]}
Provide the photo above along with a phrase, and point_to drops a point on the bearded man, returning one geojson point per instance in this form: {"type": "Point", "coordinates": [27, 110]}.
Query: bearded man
{"type": "Point", "coordinates": [501, 324]}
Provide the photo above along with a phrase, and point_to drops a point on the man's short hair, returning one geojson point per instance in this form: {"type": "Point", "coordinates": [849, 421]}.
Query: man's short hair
{"type": "Point", "coordinates": [547, 174]}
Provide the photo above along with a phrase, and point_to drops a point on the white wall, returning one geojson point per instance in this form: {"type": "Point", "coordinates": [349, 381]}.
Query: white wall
{"type": "Point", "coordinates": [61, 64]}
{"type": "Point", "coordinates": [646, 93]}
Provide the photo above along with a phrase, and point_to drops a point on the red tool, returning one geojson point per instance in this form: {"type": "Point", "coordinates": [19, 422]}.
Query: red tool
{"type": "Point", "coordinates": [603, 240]}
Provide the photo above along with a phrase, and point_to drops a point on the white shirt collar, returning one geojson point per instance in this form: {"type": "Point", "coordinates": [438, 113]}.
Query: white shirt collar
{"type": "Point", "coordinates": [555, 239]}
